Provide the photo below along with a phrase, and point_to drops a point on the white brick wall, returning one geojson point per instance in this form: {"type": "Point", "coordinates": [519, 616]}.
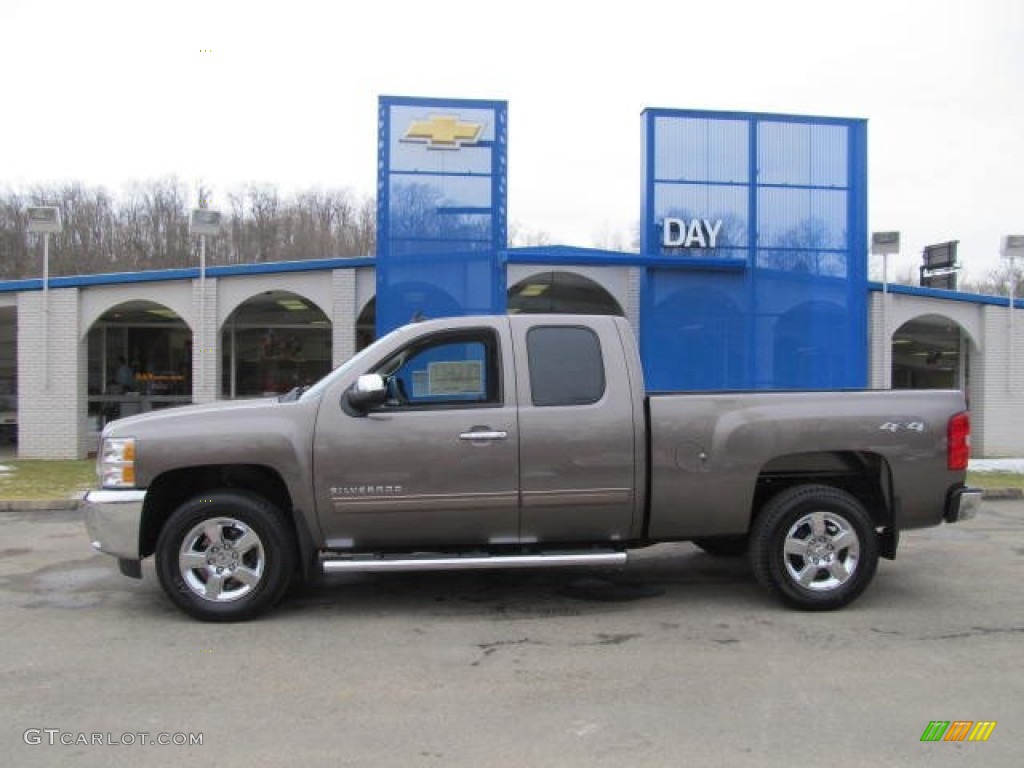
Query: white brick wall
{"type": "Point", "coordinates": [997, 394]}
{"type": "Point", "coordinates": [632, 304]}
{"type": "Point", "coordinates": [205, 343]}
{"type": "Point", "coordinates": [879, 365]}
{"type": "Point", "coordinates": [344, 311]}
{"type": "Point", "coordinates": [51, 376]}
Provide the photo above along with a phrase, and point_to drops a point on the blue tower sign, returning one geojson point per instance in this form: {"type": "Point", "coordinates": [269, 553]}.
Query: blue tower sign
{"type": "Point", "coordinates": [441, 208]}
{"type": "Point", "coordinates": [756, 226]}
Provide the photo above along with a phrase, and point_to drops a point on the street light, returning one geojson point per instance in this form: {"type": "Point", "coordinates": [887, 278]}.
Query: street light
{"type": "Point", "coordinates": [205, 223]}
{"type": "Point", "coordinates": [885, 244]}
{"type": "Point", "coordinates": [1011, 247]}
{"type": "Point", "coordinates": [45, 220]}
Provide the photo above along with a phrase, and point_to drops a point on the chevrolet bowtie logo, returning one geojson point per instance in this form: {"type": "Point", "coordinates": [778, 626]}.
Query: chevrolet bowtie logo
{"type": "Point", "coordinates": [443, 132]}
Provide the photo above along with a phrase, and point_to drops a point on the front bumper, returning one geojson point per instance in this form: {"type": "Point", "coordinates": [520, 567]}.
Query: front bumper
{"type": "Point", "coordinates": [113, 520]}
{"type": "Point", "coordinates": [963, 504]}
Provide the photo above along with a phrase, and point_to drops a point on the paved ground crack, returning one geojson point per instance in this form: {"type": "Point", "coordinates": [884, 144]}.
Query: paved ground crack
{"type": "Point", "coordinates": [489, 649]}
{"type": "Point", "coordinates": [979, 632]}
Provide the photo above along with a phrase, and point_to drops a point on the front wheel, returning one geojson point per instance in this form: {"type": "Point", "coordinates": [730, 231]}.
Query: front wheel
{"type": "Point", "coordinates": [815, 546]}
{"type": "Point", "coordinates": [225, 556]}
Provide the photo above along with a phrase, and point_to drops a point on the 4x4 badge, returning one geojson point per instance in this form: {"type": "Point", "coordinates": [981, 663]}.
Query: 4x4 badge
{"type": "Point", "coordinates": [902, 426]}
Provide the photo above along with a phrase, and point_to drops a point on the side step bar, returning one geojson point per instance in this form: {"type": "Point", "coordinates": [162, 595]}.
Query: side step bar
{"type": "Point", "coordinates": [471, 562]}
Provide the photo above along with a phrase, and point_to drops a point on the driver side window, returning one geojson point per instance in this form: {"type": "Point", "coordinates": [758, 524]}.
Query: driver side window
{"type": "Point", "coordinates": [454, 369]}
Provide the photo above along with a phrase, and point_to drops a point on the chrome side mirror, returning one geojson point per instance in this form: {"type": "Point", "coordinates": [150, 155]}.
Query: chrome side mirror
{"type": "Point", "coordinates": [368, 392]}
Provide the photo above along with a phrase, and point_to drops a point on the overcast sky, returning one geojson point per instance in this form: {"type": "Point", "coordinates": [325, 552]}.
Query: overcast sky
{"type": "Point", "coordinates": [286, 92]}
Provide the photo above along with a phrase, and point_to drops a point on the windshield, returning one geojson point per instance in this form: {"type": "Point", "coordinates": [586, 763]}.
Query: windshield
{"type": "Point", "coordinates": [317, 389]}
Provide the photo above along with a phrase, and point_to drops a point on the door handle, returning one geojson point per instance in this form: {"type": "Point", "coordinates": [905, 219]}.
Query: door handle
{"type": "Point", "coordinates": [483, 434]}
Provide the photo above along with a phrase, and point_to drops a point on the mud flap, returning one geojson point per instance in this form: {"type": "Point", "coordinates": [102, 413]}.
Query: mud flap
{"type": "Point", "coordinates": [130, 568]}
{"type": "Point", "coordinates": [888, 541]}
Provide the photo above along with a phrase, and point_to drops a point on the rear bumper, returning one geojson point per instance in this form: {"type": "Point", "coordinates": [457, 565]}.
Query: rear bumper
{"type": "Point", "coordinates": [113, 520]}
{"type": "Point", "coordinates": [963, 504]}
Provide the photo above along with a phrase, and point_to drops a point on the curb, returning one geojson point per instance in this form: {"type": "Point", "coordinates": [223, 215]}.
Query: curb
{"type": "Point", "coordinates": [44, 505]}
{"type": "Point", "coordinates": [1003, 494]}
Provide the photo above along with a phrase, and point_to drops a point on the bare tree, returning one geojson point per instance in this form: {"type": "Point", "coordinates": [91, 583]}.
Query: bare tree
{"type": "Point", "coordinates": [522, 235]}
{"type": "Point", "coordinates": [146, 227]}
{"type": "Point", "coordinates": [997, 282]}
{"type": "Point", "coordinates": [14, 246]}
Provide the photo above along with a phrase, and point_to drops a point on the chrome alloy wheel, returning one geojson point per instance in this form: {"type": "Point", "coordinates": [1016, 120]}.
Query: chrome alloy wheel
{"type": "Point", "coordinates": [221, 559]}
{"type": "Point", "coordinates": [821, 551]}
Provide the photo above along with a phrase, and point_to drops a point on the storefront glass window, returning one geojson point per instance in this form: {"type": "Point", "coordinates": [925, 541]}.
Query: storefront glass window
{"type": "Point", "coordinates": [272, 343]}
{"type": "Point", "coordinates": [139, 359]}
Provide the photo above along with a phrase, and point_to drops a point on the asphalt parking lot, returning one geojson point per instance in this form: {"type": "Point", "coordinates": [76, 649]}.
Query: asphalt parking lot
{"type": "Point", "coordinates": [679, 659]}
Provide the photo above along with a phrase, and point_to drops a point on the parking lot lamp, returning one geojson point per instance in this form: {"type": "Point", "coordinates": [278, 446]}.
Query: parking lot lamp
{"type": "Point", "coordinates": [45, 220]}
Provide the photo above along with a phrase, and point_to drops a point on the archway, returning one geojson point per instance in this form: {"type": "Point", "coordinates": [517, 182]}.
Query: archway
{"type": "Point", "coordinates": [139, 358]}
{"type": "Point", "coordinates": [694, 341]}
{"type": "Point", "coordinates": [810, 350]}
{"type": "Point", "coordinates": [8, 374]}
{"type": "Point", "coordinates": [366, 325]}
{"type": "Point", "coordinates": [930, 352]}
{"type": "Point", "coordinates": [561, 293]}
{"type": "Point", "coordinates": [273, 342]}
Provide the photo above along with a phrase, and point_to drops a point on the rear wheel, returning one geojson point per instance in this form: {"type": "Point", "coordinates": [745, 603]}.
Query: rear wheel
{"type": "Point", "coordinates": [815, 547]}
{"type": "Point", "coordinates": [225, 556]}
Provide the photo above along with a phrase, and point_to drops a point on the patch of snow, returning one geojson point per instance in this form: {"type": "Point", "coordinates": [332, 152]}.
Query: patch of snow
{"type": "Point", "coordinates": [997, 465]}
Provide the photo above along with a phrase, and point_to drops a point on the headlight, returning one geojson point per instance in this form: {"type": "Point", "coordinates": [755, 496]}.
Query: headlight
{"type": "Point", "coordinates": [116, 463]}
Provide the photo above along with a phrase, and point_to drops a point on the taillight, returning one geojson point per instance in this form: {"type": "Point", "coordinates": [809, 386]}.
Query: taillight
{"type": "Point", "coordinates": [958, 449]}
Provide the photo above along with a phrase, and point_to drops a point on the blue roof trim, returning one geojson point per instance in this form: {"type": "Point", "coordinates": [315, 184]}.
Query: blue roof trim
{"type": "Point", "coordinates": [273, 267]}
{"type": "Point", "coordinates": [190, 273]}
{"type": "Point", "coordinates": [744, 116]}
{"type": "Point", "coordinates": [565, 255]}
{"type": "Point", "coordinates": [438, 103]}
{"type": "Point", "coordinates": [941, 293]}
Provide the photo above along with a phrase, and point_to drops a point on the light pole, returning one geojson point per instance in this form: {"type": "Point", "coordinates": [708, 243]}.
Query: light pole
{"type": "Point", "coordinates": [203, 222]}
{"type": "Point", "coordinates": [1012, 246]}
{"type": "Point", "coordinates": [45, 221]}
{"type": "Point", "coordinates": [885, 244]}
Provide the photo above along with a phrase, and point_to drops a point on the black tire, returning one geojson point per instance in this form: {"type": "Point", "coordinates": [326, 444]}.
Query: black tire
{"type": "Point", "coordinates": [815, 547]}
{"type": "Point", "coordinates": [724, 546]}
{"type": "Point", "coordinates": [226, 555]}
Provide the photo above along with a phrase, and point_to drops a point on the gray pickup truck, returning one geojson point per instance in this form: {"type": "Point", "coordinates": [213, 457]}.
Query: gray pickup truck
{"type": "Point", "coordinates": [517, 442]}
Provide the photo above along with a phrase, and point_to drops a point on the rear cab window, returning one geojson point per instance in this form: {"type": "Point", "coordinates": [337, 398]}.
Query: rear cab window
{"type": "Point", "coordinates": [566, 366]}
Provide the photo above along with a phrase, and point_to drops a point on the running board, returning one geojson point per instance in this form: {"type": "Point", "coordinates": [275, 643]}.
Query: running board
{"type": "Point", "coordinates": [471, 562]}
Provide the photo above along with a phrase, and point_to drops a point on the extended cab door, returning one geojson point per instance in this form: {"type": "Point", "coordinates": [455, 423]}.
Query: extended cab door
{"type": "Point", "coordinates": [580, 429]}
{"type": "Point", "coordinates": [437, 463]}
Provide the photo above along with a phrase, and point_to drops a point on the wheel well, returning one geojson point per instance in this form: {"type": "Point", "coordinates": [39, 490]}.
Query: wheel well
{"type": "Point", "coordinates": [171, 489]}
{"type": "Point", "coordinates": [862, 474]}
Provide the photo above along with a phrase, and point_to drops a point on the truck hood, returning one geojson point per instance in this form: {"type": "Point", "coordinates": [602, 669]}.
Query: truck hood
{"type": "Point", "coordinates": [201, 415]}
{"type": "Point", "coordinates": [266, 432]}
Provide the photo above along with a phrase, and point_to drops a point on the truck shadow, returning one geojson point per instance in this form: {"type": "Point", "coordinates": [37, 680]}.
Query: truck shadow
{"type": "Point", "coordinates": [682, 574]}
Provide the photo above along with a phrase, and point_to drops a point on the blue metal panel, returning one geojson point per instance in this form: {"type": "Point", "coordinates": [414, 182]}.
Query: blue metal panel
{"type": "Point", "coordinates": [802, 153]}
{"type": "Point", "coordinates": [693, 330]}
{"type": "Point", "coordinates": [441, 208]}
{"type": "Point", "coordinates": [791, 195]}
{"type": "Point", "coordinates": [701, 149]}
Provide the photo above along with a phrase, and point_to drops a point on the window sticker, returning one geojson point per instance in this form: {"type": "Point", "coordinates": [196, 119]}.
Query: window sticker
{"type": "Point", "coordinates": [456, 378]}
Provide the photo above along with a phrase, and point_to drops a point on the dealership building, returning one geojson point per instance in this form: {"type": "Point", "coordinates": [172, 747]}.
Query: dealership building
{"type": "Point", "coordinates": [751, 275]}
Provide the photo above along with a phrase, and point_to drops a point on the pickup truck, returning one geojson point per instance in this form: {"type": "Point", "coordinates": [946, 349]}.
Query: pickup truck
{"type": "Point", "coordinates": [520, 441]}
